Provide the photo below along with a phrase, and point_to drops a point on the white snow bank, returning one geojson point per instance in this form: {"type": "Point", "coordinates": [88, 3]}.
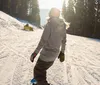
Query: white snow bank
{"type": "Point", "coordinates": [7, 20]}
{"type": "Point", "coordinates": [16, 47]}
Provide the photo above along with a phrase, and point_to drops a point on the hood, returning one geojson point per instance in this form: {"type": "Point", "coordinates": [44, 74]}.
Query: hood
{"type": "Point", "coordinates": [56, 21]}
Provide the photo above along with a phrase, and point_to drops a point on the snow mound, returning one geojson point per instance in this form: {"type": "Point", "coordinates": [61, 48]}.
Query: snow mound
{"type": "Point", "coordinates": [6, 21]}
{"type": "Point", "coordinates": [15, 48]}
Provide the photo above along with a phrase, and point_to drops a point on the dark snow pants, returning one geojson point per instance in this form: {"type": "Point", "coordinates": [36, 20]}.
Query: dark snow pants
{"type": "Point", "coordinates": [40, 71]}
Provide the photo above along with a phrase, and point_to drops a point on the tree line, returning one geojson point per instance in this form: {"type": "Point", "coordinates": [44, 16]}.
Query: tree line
{"type": "Point", "coordinates": [83, 16]}
{"type": "Point", "coordinates": [22, 9]}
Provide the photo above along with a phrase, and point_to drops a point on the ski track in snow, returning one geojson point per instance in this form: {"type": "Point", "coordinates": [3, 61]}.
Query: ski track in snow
{"type": "Point", "coordinates": [81, 67]}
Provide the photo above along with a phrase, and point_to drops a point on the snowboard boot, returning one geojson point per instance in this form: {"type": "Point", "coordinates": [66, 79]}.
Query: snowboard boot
{"type": "Point", "coordinates": [36, 84]}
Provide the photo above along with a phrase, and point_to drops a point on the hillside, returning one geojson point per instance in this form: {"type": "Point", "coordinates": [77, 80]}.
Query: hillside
{"type": "Point", "coordinates": [82, 65]}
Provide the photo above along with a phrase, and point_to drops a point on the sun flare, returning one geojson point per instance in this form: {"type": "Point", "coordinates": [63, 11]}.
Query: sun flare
{"type": "Point", "coordinates": [48, 4]}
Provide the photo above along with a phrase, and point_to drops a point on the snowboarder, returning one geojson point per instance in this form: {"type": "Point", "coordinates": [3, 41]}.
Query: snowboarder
{"type": "Point", "coordinates": [53, 37]}
{"type": "Point", "coordinates": [28, 28]}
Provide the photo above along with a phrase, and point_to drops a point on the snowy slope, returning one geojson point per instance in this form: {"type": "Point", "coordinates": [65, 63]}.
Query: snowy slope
{"type": "Point", "coordinates": [82, 65]}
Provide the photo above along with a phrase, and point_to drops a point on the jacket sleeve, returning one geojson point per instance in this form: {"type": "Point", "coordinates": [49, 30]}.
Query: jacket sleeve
{"type": "Point", "coordinates": [44, 38]}
{"type": "Point", "coordinates": [63, 42]}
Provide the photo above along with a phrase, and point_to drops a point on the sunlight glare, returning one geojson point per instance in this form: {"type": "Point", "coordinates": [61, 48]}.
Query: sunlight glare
{"type": "Point", "coordinates": [48, 4]}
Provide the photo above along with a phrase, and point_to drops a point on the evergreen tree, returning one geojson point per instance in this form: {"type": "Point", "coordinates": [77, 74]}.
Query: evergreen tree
{"type": "Point", "coordinates": [97, 20]}
{"type": "Point", "coordinates": [0, 5]}
{"type": "Point", "coordinates": [91, 17]}
{"type": "Point", "coordinates": [68, 11]}
{"type": "Point", "coordinates": [23, 9]}
{"type": "Point", "coordinates": [14, 8]}
{"type": "Point", "coordinates": [34, 12]}
{"type": "Point", "coordinates": [64, 10]}
{"type": "Point", "coordinates": [81, 15]}
{"type": "Point", "coordinates": [4, 5]}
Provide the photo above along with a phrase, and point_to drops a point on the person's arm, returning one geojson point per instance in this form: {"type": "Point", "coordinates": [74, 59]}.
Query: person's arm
{"type": "Point", "coordinates": [44, 38]}
{"type": "Point", "coordinates": [63, 45]}
{"type": "Point", "coordinates": [61, 56]}
{"type": "Point", "coordinates": [64, 42]}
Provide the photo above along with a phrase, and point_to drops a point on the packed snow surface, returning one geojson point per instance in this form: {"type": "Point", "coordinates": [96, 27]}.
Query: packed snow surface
{"type": "Point", "coordinates": [81, 67]}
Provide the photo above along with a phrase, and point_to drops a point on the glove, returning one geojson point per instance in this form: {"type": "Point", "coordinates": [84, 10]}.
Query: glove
{"type": "Point", "coordinates": [33, 56]}
{"type": "Point", "coordinates": [61, 57]}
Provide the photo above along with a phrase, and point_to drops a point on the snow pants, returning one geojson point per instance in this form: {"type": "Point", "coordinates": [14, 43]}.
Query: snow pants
{"type": "Point", "coordinates": [40, 71]}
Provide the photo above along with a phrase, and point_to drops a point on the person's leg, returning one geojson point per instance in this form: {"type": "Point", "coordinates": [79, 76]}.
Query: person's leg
{"type": "Point", "coordinates": [40, 71]}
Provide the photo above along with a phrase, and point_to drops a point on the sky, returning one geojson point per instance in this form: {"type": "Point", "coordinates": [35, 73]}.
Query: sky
{"type": "Point", "coordinates": [48, 4]}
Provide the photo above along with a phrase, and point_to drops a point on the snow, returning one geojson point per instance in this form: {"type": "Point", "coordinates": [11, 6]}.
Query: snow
{"type": "Point", "coordinates": [81, 67]}
{"type": "Point", "coordinates": [24, 22]}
